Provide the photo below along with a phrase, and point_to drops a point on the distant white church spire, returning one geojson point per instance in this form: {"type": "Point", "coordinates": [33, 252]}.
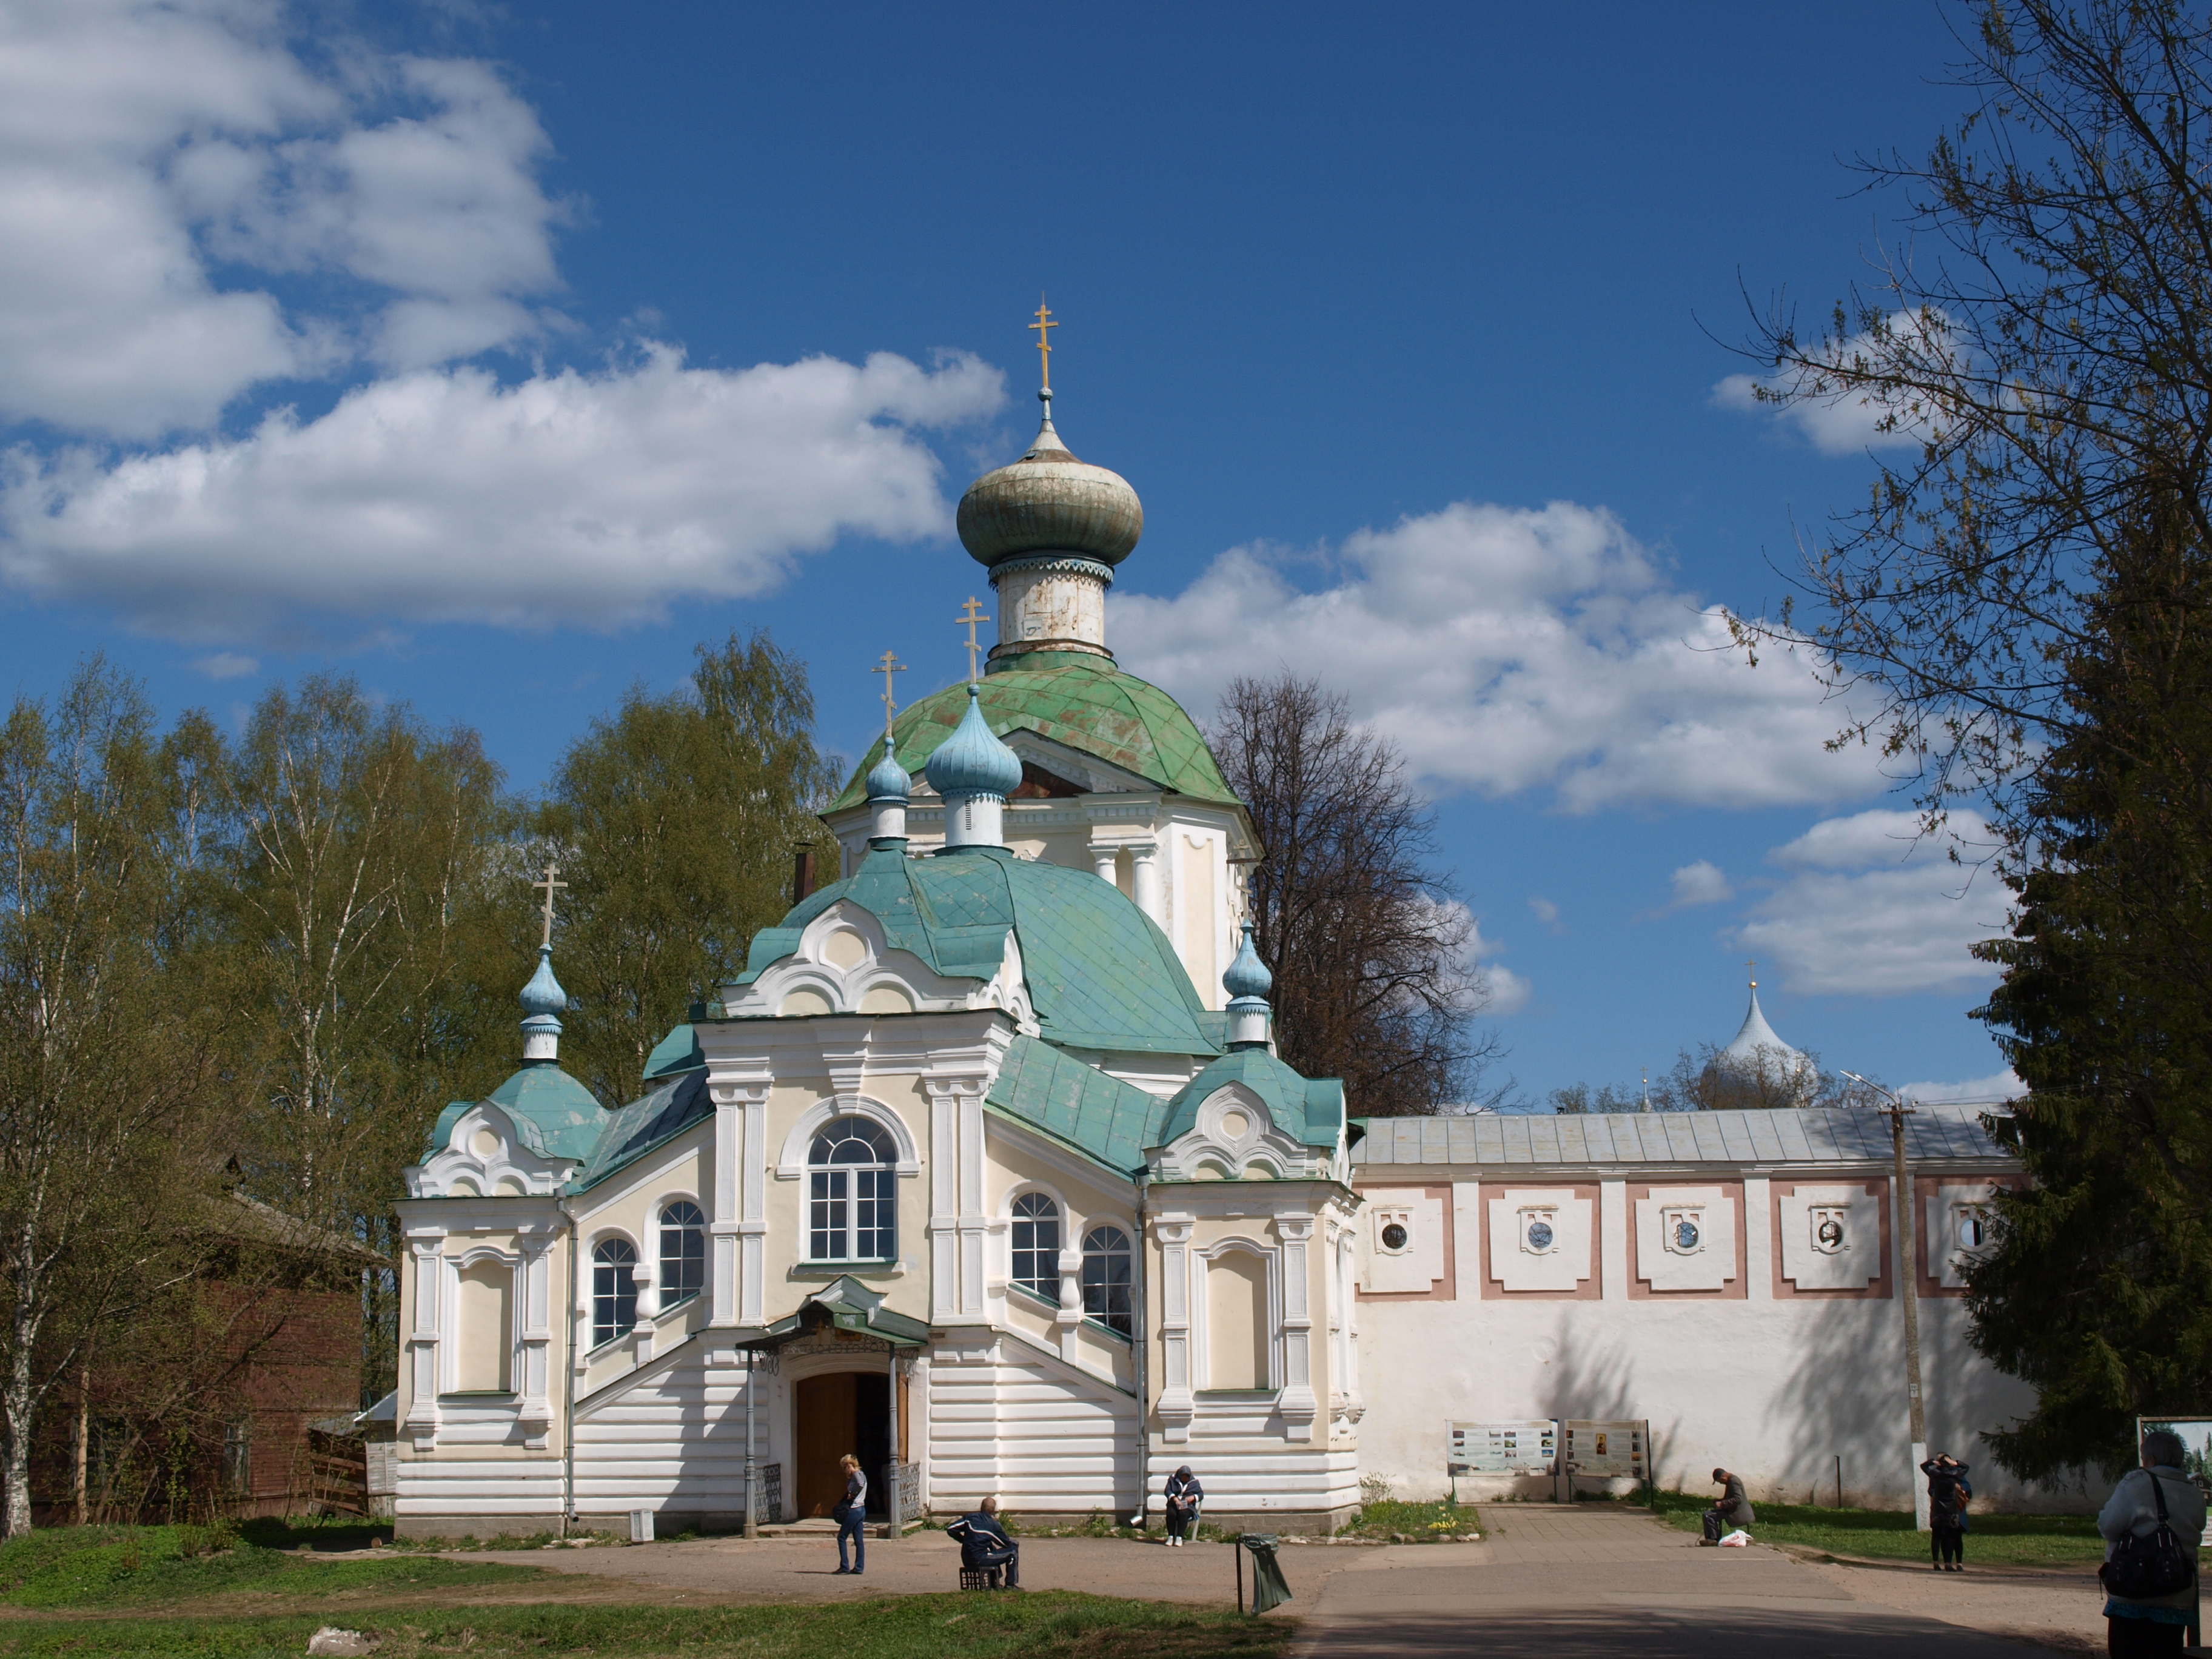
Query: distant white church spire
{"type": "Point", "coordinates": [1755, 1043]}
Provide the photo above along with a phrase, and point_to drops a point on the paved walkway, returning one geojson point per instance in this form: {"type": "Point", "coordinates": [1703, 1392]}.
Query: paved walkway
{"type": "Point", "coordinates": [1566, 1584]}
{"type": "Point", "coordinates": [1575, 1584]}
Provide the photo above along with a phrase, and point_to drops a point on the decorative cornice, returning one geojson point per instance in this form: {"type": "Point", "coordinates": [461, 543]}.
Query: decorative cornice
{"type": "Point", "coordinates": [1054, 564]}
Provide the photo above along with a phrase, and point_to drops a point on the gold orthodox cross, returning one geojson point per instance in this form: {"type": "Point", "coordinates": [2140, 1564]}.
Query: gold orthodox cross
{"type": "Point", "coordinates": [890, 666]}
{"type": "Point", "coordinates": [971, 616]}
{"type": "Point", "coordinates": [1044, 342]}
{"type": "Point", "coordinates": [548, 884]}
{"type": "Point", "coordinates": [1751, 967]}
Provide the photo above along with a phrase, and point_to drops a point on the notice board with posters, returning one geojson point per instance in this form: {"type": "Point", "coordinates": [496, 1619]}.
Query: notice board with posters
{"type": "Point", "coordinates": [1606, 1451]}
{"type": "Point", "coordinates": [1529, 1446]}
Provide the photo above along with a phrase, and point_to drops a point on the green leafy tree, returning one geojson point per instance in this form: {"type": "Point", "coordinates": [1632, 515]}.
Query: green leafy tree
{"type": "Point", "coordinates": [2099, 1289]}
{"type": "Point", "coordinates": [675, 821]}
{"type": "Point", "coordinates": [107, 1050]}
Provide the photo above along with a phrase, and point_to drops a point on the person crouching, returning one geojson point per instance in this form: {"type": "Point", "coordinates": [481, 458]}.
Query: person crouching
{"type": "Point", "coordinates": [1733, 1510]}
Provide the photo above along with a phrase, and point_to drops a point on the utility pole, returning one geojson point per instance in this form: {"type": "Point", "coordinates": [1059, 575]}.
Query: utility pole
{"type": "Point", "coordinates": [1908, 1275]}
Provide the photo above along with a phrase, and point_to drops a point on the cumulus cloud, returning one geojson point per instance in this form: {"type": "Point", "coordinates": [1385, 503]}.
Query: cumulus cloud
{"type": "Point", "coordinates": [1546, 912]}
{"type": "Point", "coordinates": [444, 496]}
{"type": "Point", "coordinates": [1977, 1090]}
{"type": "Point", "coordinates": [1851, 421]}
{"type": "Point", "coordinates": [159, 163]}
{"type": "Point", "coordinates": [1504, 992]}
{"type": "Point", "coordinates": [1702, 883]}
{"type": "Point", "coordinates": [1866, 909]}
{"type": "Point", "coordinates": [1509, 650]}
{"type": "Point", "coordinates": [226, 665]}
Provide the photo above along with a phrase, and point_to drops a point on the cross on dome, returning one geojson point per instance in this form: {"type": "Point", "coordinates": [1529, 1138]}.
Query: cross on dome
{"type": "Point", "coordinates": [969, 617]}
{"type": "Point", "coordinates": [887, 666]}
{"type": "Point", "coordinates": [548, 884]}
{"type": "Point", "coordinates": [1044, 342]}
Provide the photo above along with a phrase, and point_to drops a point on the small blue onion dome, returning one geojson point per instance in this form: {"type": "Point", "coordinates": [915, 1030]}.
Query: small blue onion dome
{"type": "Point", "coordinates": [543, 994]}
{"type": "Point", "coordinates": [1248, 976]}
{"type": "Point", "coordinates": [972, 761]}
{"type": "Point", "coordinates": [887, 779]}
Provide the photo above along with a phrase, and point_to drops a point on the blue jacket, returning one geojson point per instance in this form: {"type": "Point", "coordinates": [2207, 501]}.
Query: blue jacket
{"type": "Point", "coordinates": [985, 1535]}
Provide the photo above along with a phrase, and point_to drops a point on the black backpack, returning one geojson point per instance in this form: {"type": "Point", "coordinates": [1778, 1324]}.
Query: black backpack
{"type": "Point", "coordinates": [2149, 1564]}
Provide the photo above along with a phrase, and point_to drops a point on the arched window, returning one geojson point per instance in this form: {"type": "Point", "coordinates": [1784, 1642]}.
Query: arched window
{"type": "Point", "coordinates": [1106, 1279]}
{"type": "Point", "coordinates": [852, 1194]}
{"type": "Point", "coordinates": [683, 1252]}
{"type": "Point", "coordinates": [1037, 1246]}
{"type": "Point", "coordinates": [614, 1292]}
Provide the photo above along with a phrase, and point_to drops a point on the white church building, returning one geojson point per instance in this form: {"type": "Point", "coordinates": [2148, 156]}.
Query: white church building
{"type": "Point", "coordinates": [985, 1170]}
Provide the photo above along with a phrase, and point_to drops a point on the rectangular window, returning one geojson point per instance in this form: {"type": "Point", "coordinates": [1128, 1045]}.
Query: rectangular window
{"type": "Point", "coordinates": [875, 1237]}
{"type": "Point", "coordinates": [828, 1219]}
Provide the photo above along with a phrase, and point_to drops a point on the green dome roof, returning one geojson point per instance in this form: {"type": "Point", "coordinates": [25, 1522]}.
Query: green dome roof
{"type": "Point", "coordinates": [1087, 704]}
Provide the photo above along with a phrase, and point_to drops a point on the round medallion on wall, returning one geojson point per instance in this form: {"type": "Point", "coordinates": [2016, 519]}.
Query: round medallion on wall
{"type": "Point", "coordinates": [1828, 1236]}
{"type": "Point", "coordinates": [1972, 1229]}
{"type": "Point", "coordinates": [1393, 1236]}
{"type": "Point", "coordinates": [1539, 1236]}
{"type": "Point", "coordinates": [1686, 1235]}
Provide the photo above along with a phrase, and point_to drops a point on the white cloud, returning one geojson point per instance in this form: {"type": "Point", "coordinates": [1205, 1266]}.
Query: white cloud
{"type": "Point", "coordinates": [442, 496]}
{"type": "Point", "coordinates": [1998, 1086]}
{"type": "Point", "coordinates": [1868, 910]}
{"type": "Point", "coordinates": [1546, 912]}
{"type": "Point", "coordinates": [1849, 422]}
{"type": "Point", "coordinates": [158, 161]}
{"type": "Point", "coordinates": [1702, 883]}
{"type": "Point", "coordinates": [1509, 650]}
{"type": "Point", "coordinates": [226, 665]}
{"type": "Point", "coordinates": [1504, 991]}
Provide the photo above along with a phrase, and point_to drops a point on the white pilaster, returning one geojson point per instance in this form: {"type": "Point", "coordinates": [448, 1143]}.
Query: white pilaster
{"type": "Point", "coordinates": [1758, 1247]}
{"type": "Point", "coordinates": [1613, 1240]}
{"type": "Point", "coordinates": [426, 1249]}
{"type": "Point", "coordinates": [722, 1224]}
{"type": "Point", "coordinates": [1177, 1404]}
{"type": "Point", "coordinates": [752, 1224]}
{"type": "Point", "coordinates": [534, 1291]}
{"type": "Point", "coordinates": [1297, 1401]}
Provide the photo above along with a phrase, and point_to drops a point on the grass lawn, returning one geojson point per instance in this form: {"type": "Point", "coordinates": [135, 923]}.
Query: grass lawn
{"type": "Point", "coordinates": [2012, 1540]}
{"type": "Point", "coordinates": [1051, 1624]}
{"type": "Point", "coordinates": [74, 1567]}
{"type": "Point", "coordinates": [1417, 1522]}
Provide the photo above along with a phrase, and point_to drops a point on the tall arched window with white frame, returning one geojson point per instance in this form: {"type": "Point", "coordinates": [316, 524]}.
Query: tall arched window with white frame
{"type": "Point", "coordinates": [852, 1193]}
{"type": "Point", "coordinates": [1037, 1246]}
{"type": "Point", "coordinates": [1106, 1279]}
{"type": "Point", "coordinates": [683, 1252]}
{"type": "Point", "coordinates": [614, 1292]}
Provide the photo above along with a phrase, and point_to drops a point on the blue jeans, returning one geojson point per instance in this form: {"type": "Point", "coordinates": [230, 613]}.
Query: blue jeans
{"type": "Point", "coordinates": [850, 1528]}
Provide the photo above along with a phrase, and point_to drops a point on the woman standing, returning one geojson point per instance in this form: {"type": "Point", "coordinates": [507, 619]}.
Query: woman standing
{"type": "Point", "coordinates": [1947, 1492]}
{"type": "Point", "coordinates": [850, 1514]}
{"type": "Point", "coordinates": [2150, 1581]}
{"type": "Point", "coordinates": [1183, 1496]}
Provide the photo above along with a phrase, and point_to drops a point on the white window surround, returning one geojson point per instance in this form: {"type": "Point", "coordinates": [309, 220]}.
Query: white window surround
{"type": "Point", "coordinates": [482, 1151]}
{"type": "Point", "coordinates": [1200, 1358]}
{"type": "Point", "coordinates": [845, 930]}
{"type": "Point", "coordinates": [791, 1162]}
{"type": "Point", "coordinates": [1234, 1132]}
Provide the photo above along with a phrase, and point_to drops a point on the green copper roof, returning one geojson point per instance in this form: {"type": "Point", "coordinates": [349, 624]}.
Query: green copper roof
{"type": "Point", "coordinates": [659, 1115]}
{"type": "Point", "coordinates": [1112, 1120]}
{"type": "Point", "coordinates": [679, 1051]}
{"type": "Point", "coordinates": [1084, 703]}
{"type": "Point", "coordinates": [1311, 1110]}
{"type": "Point", "coordinates": [558, 1116]}
{"type": "Point", "coordinates": [1101, 974]}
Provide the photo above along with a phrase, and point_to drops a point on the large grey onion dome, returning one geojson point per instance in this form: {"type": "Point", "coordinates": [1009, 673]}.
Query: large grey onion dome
{"type": "Point", "coordinates": [1049, 502]}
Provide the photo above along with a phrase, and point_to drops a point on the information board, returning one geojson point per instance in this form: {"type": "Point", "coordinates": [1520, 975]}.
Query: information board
{"type": "Point", "coordinates": [1607, 1451]}
{"type": "Point", "coordinates": [1529, 1447]}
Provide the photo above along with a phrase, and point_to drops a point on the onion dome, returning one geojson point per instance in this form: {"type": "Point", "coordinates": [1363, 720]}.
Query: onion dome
{"type": "Point", "coordinates": [1755, 1043]}
{"type": "Point", "coordinates": [887, 779]}
{"type": "Point", "coordinates": [543, 1002]}
{"type": "Point", "coordinates": [972, 761]}
{"type": "Point", "coordinates": [1248, 976]}
{"type": "Point", "coordinates": [1049, 502]}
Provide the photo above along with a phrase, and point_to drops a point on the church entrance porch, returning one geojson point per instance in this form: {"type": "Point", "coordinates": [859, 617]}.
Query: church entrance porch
{"type": "Point", "coordinates": [833, 1414]}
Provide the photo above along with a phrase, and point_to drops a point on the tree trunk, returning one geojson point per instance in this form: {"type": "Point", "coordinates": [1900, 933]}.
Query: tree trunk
{"type": "Point", "coordinates": [19, 1408]}
{"type": "Point", "coordinates": [82, 1445]}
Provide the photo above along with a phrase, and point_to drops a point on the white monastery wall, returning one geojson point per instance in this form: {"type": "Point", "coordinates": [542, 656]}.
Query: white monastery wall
{"type": "Point", "coordinates": [1772, 1348]}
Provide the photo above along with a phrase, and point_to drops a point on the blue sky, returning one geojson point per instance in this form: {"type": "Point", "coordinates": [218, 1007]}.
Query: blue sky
{"type": "Point", "coordinates": [495, 355]}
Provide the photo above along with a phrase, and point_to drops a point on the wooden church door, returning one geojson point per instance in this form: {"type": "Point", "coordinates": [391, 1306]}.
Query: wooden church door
{"type": "Point", "coordinates": [822, 1433]}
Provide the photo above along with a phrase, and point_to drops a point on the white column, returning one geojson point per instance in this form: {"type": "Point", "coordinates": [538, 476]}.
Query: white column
{"type": "Point", "coordinates": [722, 1224]}
{"type": "Point", "coordinates": [974, 1222]}
{"type": "Point", "coordinates": [944, 1202]}
{"type": "Point", "coordinates": [1175, 1404]}
{"type": "Point", "coordinates": [1069, 1320]}
{"type": "Point", "coordinates": [533, 1292]}
{"type": "Point", "coordinates": [1613, 1241]}
{"type": "Point", "coordinates": [426, 1253]}
{"type": "Point", "coordinates": [1102, 860]}
{"type": "Point", "coordinates": [1145, 854]}
{"type": "Point", "coordinates": [1758, 1239]}
{"type": "Point", "coordinates": [1346, 1248]}
{"type": "Point", "coordinates": [1297, 1401]}
{"type": "Point", "coordinates": [752, 1224]}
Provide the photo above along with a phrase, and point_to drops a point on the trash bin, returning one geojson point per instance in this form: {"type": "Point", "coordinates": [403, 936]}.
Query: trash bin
{"type": "Point", "coordinates": [1268, 1589]}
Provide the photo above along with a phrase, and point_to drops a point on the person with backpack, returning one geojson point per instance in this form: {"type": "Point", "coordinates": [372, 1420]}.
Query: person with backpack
{"type": "Point", "coordinates": [2152, 1524]}
{"type": "Point", "coordinates": [1947, 1492]}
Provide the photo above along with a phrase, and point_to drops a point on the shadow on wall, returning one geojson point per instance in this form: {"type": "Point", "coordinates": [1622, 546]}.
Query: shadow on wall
{"type": "Point", "coordinates": [1845, 1397]}
{"type": "Point", "coordinates": [1595, 1381]}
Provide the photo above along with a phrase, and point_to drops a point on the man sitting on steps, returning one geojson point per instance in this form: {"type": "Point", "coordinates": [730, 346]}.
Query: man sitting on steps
{"type": "Point", "coordinates": [1733, 1510]}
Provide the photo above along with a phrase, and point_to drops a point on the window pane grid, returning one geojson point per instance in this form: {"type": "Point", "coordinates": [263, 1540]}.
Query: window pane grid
{"type": "Point", "coordinates": [1036, 1245]}
{"type": "Point", "coordinates": [614, 1292]}
{"type": "Point", "coordinates": [683, 1252]}
{"type": "Point", "coordinates": [852, 1194]}
{"type": "Point", "coordinates": [1106, 1268]}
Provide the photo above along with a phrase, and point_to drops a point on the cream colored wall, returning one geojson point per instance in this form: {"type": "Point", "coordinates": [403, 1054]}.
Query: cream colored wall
{"type": "Point", "coordinates": [1016, 1163]}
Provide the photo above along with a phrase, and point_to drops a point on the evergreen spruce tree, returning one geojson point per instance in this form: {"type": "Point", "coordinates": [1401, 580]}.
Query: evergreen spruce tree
{"type": "Point", "coordinates": [2099, 1289]}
